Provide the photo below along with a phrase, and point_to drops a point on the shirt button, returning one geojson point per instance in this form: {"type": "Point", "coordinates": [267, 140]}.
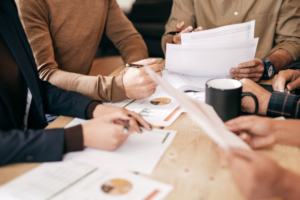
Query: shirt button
{"type": "Point", "coordinates": [236, 13]}
{"type": "Point", "coordinates": [29, 158]}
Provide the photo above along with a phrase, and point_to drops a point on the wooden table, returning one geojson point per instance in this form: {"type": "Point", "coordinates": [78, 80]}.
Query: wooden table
{"type": "Point", "coordinates": [191, 164]}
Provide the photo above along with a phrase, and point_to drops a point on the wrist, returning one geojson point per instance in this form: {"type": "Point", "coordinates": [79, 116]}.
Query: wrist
{"type": "Point", "coordinates": [85, 131]}
{"type": "Point", "coordinates": [264, 103]}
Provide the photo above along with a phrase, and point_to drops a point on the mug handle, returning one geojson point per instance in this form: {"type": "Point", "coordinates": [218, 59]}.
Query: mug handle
{"type": "Point", "coordinates": [244, 94]}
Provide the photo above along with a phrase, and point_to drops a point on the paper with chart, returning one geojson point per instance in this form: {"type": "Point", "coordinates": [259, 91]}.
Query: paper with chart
{"type": "Point", "coordinates": [75, 180]}
{"type": "Point", "coordinates": [212, 60]}
{"type": "Point", "coordinates": [159, 109]}
{"type": "Point", "coordinates": [140, 152]}
{"type": "Point", "coordinates": [232, 34]}
{"type": "Point", "coordinates": [204, 115]}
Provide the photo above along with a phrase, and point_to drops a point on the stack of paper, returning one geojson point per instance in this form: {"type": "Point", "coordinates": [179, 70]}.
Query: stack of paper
{"type": "Point", "coordinates": [204, 115]}
{"type": "Point", "coordinates": [212, 53]}
{"type": "Point", "coordinates": [76, 180]}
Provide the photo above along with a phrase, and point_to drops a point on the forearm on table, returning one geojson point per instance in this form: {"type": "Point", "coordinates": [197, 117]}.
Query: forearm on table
{"type": "Point", "coordinates": [280, 59]}
{"type": "Point", "coordinates": [287, 132]}
{"type": "Point", "coordinates": [288, 186]}
{"type": "Point", "coordinates": [100, 88]}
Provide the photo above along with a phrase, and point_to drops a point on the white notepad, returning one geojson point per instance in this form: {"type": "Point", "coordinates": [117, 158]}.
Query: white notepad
{"type": "Point", "coordinates": [139, 153]}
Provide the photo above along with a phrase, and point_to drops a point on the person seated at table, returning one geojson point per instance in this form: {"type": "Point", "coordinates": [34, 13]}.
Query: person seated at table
{"type": "Point", "coordinates": [276, 26]}
{"type": "Point", "coordinates": [24, 100]}
{"type": "Point", "coordinates": [263, 178]}
{"type": "Point", "coordinates": [259, 177]}
{"type": "Point", "coordinates": [64, 36]}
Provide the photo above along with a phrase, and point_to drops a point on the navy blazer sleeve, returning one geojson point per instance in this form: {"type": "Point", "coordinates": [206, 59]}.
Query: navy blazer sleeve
{"type": "Point", "coordinates": [43, 145]}
{"type": "Point", "coordinates": [31, 146]}
{"type": "Point", "coordinates": [60, 102]}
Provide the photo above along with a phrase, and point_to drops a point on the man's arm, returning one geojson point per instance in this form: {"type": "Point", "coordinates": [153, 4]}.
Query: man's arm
{"type": "Point", "coordinates": [31, 146]}
{"type": "Point", "coordinates": [274, 104]}
{"type": "Point", "coordinates": [280, 59]}
{"type": "Point", "coordinates": [182, 11]}
{"type": "Point", "coordinates": [287, 44]}
{"type": "Point", "coordinates": [60, 102]}
{"type": "Point", "coordinates": [283, 104]}
{"type": "Point", "coordinates": [35, 19]}
{"type": "Point", "coordinates": [287, 35]}
{"type": "Point", "coordinates": [124, 36]}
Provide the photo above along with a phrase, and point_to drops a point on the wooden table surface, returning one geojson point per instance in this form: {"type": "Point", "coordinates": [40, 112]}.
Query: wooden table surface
{"type": "Point", "coordinates": [191, 164]}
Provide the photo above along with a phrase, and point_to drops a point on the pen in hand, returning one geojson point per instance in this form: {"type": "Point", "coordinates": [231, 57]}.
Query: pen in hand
{"type": "Point", "coordinates": [175, 32]}
{"type": "Point", "coordinates": [137, 66]}
{"type": "Point", "coordinates": [126, 125]}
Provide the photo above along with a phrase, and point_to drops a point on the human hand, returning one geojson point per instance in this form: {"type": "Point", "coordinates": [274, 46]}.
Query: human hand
{"type": "Point", "coordinates": [263, 96]}
{"type": "Point", "coordinates": [257, 176]}
{"type": "Point", "coordinates": [256, 131]}
{"type": "Point", "coordinates": [253, 70]}
{"type": "Point", "coordinates": [138, 84]}
{"type": "Point", "coordinates": [179, 27]}
{"type": "Point", "coordinates": [290, 77]}
{"type": "Point", "coordinates": [148, 61]}
{"type": "Point", "coordinates": [106, 133]}
{"type": "Point", "coordinates": [102, 110]}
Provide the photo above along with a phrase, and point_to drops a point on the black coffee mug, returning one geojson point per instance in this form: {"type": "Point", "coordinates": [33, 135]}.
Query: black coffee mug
{"type": "Point", "coordinates": [225, 96]}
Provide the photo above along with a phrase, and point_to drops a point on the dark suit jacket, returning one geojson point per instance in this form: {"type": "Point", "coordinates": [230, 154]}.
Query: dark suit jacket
{"type": "Point", "coordinates": [34, 144]}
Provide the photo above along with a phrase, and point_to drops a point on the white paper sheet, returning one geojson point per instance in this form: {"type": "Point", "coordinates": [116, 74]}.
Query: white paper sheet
{"type": "Point", "coordinates": [213, 60]}
{"type": "Point", "coordinates": [139, 153]}
{"type": "Point", "coordinates": [231, 34]}
{"type": "Point", "coordinates": [204, 115]}
{"type": "Point", "coordinates": [163, 114]}
{"type": "Point", "coordinates": [186, 83]}
{"type": "Point", "coordinates": [75, 180]}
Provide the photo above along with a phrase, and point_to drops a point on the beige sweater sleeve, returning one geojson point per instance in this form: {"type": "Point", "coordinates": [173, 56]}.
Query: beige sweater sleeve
{"type": "Point", "coordinates": [287, 35]}
{"type": "Point", "coordinates": [35, 18]}
{"type": "Point", "coordinates": [125, 37]}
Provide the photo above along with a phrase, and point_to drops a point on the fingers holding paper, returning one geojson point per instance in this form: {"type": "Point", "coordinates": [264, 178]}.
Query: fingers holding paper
{"type": "Point", "coordinates": [257, 176]}
{"type": "Point", "coordinates": [253, 70]}
{"type": "Point", "coordinates": [256, 131]}
{"type": "Point", "coordinates": [179, 27]}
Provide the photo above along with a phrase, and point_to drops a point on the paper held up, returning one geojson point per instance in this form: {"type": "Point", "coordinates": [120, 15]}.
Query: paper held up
{"type": "Point", "coordinates": [204, 115]}
{"type": "Point", "coordinates": [231, 34]}
{"type": "Point", "coordinates": [213, 59]}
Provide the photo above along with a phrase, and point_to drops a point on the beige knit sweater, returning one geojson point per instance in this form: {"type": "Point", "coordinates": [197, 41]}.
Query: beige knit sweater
{"type": "Point", "coordinates": [64, 36]}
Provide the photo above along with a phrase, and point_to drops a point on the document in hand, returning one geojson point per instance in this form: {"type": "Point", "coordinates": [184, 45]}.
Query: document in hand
{"type": "Point", "coordinates": [159, 109]}
{"type": "Point", "coordinates": [231, 34]}
{"type": "Point", "coordinates": [212, 52]}
{"type": "Point", "coordinates": [139, 153]}
{"type": "Point", "coordinates": [204, 115]}
{"type": "Point", "coordinates": [75, 180]}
